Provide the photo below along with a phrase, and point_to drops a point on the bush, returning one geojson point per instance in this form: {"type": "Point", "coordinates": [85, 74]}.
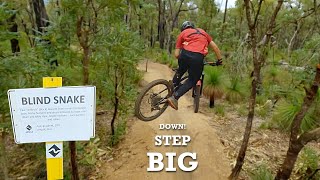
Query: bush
{"type": "Point", "coordinates": [308, 162]}
{"type": "Point", "coordinates": [219, 110]}
{"type": "Point", "coordinates": [214, 84]}
{"type": "Point", "coordinates": [242, 110]}
{"type": "Point", "coordinates": [262, 173]}
{"type": "Point", "coordinates": [235, 91]}
{"type": "Point", "coordinates": [285, 113]}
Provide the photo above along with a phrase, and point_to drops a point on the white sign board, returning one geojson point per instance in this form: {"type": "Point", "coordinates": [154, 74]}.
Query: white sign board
{"type": "Point", "coordinates": [53, 114]}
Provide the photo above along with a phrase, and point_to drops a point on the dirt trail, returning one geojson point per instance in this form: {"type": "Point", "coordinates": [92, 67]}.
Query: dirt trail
{"type": "Point", "coordinates": [131, 159]}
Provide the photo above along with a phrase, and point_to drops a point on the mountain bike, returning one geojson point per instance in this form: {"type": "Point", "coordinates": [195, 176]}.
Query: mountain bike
{"type": "Point", "coordinates": [152, 100]}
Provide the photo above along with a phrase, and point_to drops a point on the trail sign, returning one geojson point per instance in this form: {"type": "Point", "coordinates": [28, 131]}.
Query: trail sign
{"type": "Point", "coordinates": [53, 114]}
{"type": "Point", "coordinates": [54, 150]}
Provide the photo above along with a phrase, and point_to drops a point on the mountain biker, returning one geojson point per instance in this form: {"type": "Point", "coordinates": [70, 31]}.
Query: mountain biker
{"type": "Point", "coordinates": [191, 48]}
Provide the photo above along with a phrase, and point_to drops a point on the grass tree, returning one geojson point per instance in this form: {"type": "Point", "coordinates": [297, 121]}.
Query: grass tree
{"type": "Point", "coordinates": [235, 91]}
{"type": "Point", "coordinates": [286, 111]}
{"type": "Point", "coordinates": [299, 139]}
{"type": "Point", "coordinates": [213, 84]}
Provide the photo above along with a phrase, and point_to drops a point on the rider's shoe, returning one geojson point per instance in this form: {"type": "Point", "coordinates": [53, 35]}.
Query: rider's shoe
{"type": "Point", "coordinates": [173, 102]}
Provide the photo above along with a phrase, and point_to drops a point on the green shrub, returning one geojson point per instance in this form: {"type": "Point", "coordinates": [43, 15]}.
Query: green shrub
{"type": "Point", "coordinates": [262, 112]}
{"type": "Point", "coordinates": [265, 125]}
{"type": "Point", "coordinates": [220, 110]}
{"type": "Point", "coordinates": [261, 173]}
{"type": "Point", "coordinates": [214, 83]}
{"type": "Point", "coordinates": [242, 110]}
{"type": "Point", "coordinates": [235, 91]}
{"type": "Point", "coordinates": [307, 163]}
{"type": "Point", "coordinates": [173, 63]}
{"type": "Point", "coordinates": [285, 113]}
{"type": "Point", "coordinates": [119, 132]}
{"type": "Point", "coordinates": [261, 99]}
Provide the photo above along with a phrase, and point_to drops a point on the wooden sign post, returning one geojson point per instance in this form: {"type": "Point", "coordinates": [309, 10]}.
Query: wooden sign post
{"type": "Point", "coordinates": [54, 150]}
{"type": "Point", "coordinates": [53, 114]}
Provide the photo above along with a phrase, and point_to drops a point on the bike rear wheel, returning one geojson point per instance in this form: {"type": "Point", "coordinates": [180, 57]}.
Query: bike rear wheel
{"type": "Point", "coordinates": [152, 101]}
{"type": "Point", "coordinates": [196, 98]}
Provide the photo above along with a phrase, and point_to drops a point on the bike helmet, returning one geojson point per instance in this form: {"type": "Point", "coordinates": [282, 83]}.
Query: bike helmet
{"type": "Point", "coordinates": [186, 24]}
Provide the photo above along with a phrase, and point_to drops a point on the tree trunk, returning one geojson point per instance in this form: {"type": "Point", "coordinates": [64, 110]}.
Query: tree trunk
{"type": "Point", "coordinates": [139, 20]}
{"type": "Point", "coordinates": [240, 24]}
{"type": "Point", "coordinates": [242, 152]}
{"type": "Point", "coordinates": [225, 12]}
{"type": "Point", "coordinates": [83, 38]}
{"type": "Point", "coordinates": [169, 40]}
{"type": "Point", "coordinates": [258, 61]}
{"type": "Point", "coordinates": [208, 26]}
{"type": "Point", "coordinates": [161, 23]}
{"type": "Point", "coordinates": [31, 19]}
{"type": "Point", "coordinates": [162, 27]}
{"type": "Point", "coordinates": [159, 19]}
{"type": "Point", "coordinates": [3, 154]}
{"type": "Point", "coordinates": [290, 45]}
{"type": "Point", "coordinates": [14, 28]}
{"type": "Point", "coordinates": [211, 102]}
{"type": "Point", "coordinates": [115, 113]}
{"type": "Point", "coordinates": [129, 15]}
{"type": "Point", "coordinates": [289, 162]}
{"type": "Point", "coordinates": [297, 142]}
{"type": "Point", "coordinates": [126, 16]}
{"type": "Point", "coordinates": [42, 22]}
{"type": "Point", "coordinates": [116, 105]}
{"type": "Point", "coordinates": [174, 18]}
{"type": "Point", "coordinates": [58, 7]}
{"type": "Point", "coordinates": [256, 73]}
{"type": "Point", "coordinates": [42, 19]}
{"type": "Point", "coordinates": [224, 20]}
{"type": "Point", "coordinates": [174, 25]}
{"type": "Point", "coordinates": [73, 156]}
{"type": "Point", "coordinates": [151, 33]}
{"type": "Point", "coordinates": [85, 63]}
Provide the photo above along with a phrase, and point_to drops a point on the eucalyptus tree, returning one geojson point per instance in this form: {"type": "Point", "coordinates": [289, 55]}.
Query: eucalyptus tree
{"type": "Point", "coordinates": [258, 58]}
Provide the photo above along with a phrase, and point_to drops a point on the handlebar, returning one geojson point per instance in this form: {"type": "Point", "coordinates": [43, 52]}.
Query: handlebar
{"type": "Point", "coordinates": [210, 63]}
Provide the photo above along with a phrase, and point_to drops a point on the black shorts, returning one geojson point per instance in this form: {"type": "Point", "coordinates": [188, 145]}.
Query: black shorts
{"type": "Point", "coordinates": [193, 63]}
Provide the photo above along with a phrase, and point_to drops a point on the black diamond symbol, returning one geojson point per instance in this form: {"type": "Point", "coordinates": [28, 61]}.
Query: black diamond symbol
{"type": "Point", "coordinates": [29, 127]}
{"type": "Point", "coordinates": [54, 150]}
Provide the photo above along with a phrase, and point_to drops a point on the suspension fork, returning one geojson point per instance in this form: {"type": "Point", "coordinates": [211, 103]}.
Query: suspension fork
{"type": "Point", "coordinates": [199, 83]}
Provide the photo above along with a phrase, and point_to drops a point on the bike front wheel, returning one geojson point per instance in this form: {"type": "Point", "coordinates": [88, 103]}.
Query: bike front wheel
{"type": "Point", "coordinates": [152, 101]}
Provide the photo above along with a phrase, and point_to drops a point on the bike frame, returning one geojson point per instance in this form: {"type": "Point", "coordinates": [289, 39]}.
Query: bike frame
{"type": "Point", "coordinates": [184, 78]}
{"type": "Point", "coordinates": [199, 83]}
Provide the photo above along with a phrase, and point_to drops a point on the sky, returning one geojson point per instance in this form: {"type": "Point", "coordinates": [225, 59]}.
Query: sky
{"type": "Point", "coordinates": [221, 3]}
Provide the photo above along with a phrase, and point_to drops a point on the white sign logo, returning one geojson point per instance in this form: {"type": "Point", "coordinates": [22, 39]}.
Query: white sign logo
{"type": "Point", "coordinates": [54, 150]}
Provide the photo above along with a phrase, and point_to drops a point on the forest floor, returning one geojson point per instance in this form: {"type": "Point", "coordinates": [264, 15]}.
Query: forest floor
{"type": "Point", "coordinates": [130, 159]}
{"type": "Point", "coordinates": [216, 139]}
